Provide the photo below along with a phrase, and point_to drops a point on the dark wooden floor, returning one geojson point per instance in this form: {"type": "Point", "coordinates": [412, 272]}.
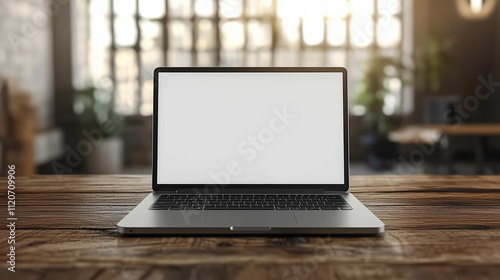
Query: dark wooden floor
{"type": "Point", "coordinates": [437, 227]}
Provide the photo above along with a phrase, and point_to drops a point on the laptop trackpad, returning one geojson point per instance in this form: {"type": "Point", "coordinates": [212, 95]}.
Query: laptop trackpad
{"type": "Point", "coordinates": [254, 218]}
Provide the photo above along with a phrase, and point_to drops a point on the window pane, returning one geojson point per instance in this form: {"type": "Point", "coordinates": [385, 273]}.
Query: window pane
{"type": "Point", "coordinates": [126, 65]}
{"type": "Point", "coordinates": [361, 31]}
{"type": "Point", "coordinates": [126, 78]}
{"type": "Point", "coordinates": [313, 29]}
{"type": "Point", "coordinates": [313, 26]}
{"type": "Point", "coordinates": [206, 35]}
{"type": "Point", "coordinates": [99, 7]}
{"type": "Point", "coordinates": [204, 8]}
{"type": "Point", "coordinates": [179, 58]}
{"type": "Point", "coordinates": [98, 49]}
{"type": "Point", "coordinates": [100, 34]}
{"type": "Point", "coordinates": [259, 34]}
{"type": "Point", "coordinates": [259, 8]}
{"type": "Point", "coordinates": [125, 98]}
{"type": "Point", "coordinates": [124, 7]}
{"type": "Point", "coordinates": [336, 32]}
{"type": "Point", "coordinates": [180, 8]}
{"type": "Point", "coordinates": [147, 98]}
{"type": "Point", "coordinates": [258, 59]}
{"type": "Point", "coordinates": [99, 66]}
{"type": "Point", "coordinates": [232, 58]}
{"type": "Point", "coordinates": [230, 8]}
{"type": "Point", "coordinates": [206, 58]}
{"type": "Point", "coordinates": [151, 34]}
{"type": "Point", "coordinates": [289, 33]}
{"type": "Point", "coordinates": [180, 35]}
{"type": "Point", "coordinates": [232, 36]}
{"type": "Point", "coordinates": [313, 58]}
{"type": "Point", "coordinates": [336, 58]}
{"type": "Point", "coordinates": [388, 31]}
{"type": "Point", "coordinates": [152, 8]}
{"type": "Point", "coordinates": [389, 7]}
{"type": "Point", "coordinates": [362, 7]}
{"type": "Point", "coordinates": [285, 57]}
{"type": "Point", "coordinates": [289, 8]}
{"type": "Point", "coordinates": [125, 31]}
{"type": "Point", "coordinates": [336, 8]}
{"type": "Point", "coordinates": [79, 29]}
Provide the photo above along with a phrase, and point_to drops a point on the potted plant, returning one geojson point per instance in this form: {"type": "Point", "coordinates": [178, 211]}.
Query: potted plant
{"type": "Point", "coordinates": [433, 66]}
{"type": "Point", "coordinates": [100, 131]}
{"type": "Point", "coordinates": [382, 77]}
{"type": "Point", "coordinates": [433, 70]}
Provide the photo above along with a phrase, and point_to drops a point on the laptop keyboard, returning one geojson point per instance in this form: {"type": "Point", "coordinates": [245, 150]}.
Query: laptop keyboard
{"type": "Point", "coordinates": [250, 202]}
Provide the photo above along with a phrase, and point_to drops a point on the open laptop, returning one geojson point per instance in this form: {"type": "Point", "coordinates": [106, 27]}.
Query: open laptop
{"type": "Point", "coordinates": [250, 151]}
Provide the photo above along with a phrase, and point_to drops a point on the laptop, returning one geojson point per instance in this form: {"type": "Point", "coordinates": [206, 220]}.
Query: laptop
{"type": "Point", "coordinates": [250, 151]}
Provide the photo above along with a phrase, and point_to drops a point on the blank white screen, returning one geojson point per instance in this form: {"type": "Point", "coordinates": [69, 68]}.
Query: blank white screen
{"type": "Point", "coordinates": [250, 128]}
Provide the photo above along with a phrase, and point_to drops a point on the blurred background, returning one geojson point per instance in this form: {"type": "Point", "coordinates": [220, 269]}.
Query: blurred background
{"type": "Point", "coordinates": [76, 76]}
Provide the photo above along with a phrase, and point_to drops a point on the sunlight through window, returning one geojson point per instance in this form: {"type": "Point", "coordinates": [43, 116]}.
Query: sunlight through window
{"type": "Point", "coordinates": [122, 46]}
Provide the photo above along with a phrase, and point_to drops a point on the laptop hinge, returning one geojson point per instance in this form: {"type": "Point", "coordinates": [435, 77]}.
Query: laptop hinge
{"type": "Point", "coordinates": [334, 192]}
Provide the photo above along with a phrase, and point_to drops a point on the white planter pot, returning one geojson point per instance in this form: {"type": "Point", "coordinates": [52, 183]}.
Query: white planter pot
{"type": "Point", "coordinates": [106, 157]}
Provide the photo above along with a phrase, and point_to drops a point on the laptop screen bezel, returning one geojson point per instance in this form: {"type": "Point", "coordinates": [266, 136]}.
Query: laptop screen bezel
{"type": "Point", "coordinates": [289, 187]}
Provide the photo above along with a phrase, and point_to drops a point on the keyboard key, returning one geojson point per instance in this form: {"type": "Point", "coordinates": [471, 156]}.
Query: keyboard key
{"type": "Point", "coordinates": [263, 208]}
{"type": "Point", "coordinates": [254, 202]}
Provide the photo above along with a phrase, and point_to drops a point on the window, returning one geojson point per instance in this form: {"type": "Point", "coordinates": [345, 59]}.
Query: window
{"type": "Point", "coordinates": [118, 43]}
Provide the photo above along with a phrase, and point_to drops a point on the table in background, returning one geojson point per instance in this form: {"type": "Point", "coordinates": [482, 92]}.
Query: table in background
{"type": "Point", "coordinates": [438, 135]}
{"type": "Point", "coordinates": [437, 227]}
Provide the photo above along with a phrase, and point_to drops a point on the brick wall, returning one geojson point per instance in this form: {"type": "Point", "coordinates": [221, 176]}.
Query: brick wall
{"type": "Point", "coordinates": [26, 51]}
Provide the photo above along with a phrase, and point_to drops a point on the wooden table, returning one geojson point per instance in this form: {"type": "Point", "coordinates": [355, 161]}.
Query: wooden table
{"type": "Point", "coordinates": [437, 227]}
{"type": "Point", "coordinates": [439, 136]}
{"type": "Point", "coordinates": [430, 134]}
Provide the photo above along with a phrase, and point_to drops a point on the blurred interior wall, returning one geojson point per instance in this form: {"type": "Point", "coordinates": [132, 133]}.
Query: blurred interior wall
{"type": "Point", "coordinates": [26, 52]}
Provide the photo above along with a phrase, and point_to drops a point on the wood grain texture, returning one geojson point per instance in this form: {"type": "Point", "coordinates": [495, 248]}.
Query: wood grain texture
{"type": "Point", "coordinates": [437, 227]}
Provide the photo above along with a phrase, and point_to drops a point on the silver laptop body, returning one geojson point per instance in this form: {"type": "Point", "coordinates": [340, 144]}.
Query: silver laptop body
{"type": "Point", "coordinates": [250, 151]}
